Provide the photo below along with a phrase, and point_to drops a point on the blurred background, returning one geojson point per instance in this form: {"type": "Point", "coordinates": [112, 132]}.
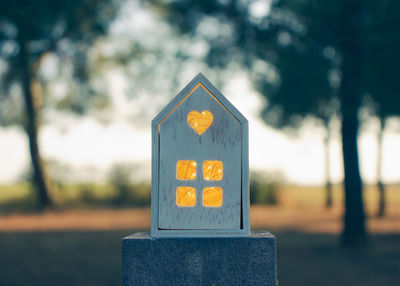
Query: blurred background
{"type": "Point", "coordinates": [81, 80]}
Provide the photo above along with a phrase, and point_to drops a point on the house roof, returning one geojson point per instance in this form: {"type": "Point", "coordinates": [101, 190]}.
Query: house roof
{"type": "Point", "coordinates": [199, 80]}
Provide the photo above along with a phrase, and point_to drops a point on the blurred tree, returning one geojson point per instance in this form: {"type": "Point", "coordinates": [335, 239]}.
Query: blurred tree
{"type": "Point", "coordinates": [29, 30]}
{"type": "Point", "coordinates": [246, 32]}
{"type": "Point", "coordinates": [127, 191]}
{"type": "Point", "coordinates": [383, 45]}
{"type": "Point", "coordinates": [264, 187]}
{"type": "Point", "coordinates": [120, 177]}
{"type": "Point", "coordinates": [307, 87]}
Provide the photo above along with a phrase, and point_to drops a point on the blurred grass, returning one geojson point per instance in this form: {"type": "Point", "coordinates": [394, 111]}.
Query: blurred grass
{"type": "Point", "coordinates": [17, 197]}
{"type": "Point", "coordinates": [94, 258]}
{"type": "Point", "coordinates": [21, 197]}
{"type": "Point", "coordinates": [303, 196]}
{"type": "Point", "coordinates": [14, 192]}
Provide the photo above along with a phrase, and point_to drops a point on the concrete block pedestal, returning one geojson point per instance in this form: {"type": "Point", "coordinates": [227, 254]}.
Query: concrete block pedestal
{"type": "Point", "coordinates": [199, 261]}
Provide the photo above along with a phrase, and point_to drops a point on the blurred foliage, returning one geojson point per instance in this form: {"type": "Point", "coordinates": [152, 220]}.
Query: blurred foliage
{"type": "Point", "coordinates": [382, 51]}
{"type": "Point", "coordinates": [264, 188]}
{"type": "Point", "coordinates": [17, 197]}
{"type": "Point", "coordinates": [125, 191]}
{"type": "Point", "coordinates": [120, 178]}
{"type": "Point", "coordinates": [22, 198]}
{"type": "Point", "coordinates": [53, 33]}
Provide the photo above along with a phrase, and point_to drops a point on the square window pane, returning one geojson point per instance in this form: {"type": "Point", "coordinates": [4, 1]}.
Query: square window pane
{"type": "Point", "coordinates": [212, 170]}
{"type": "Point", "coordinates": [212, 197]}
{"type": "Point", "coordinates": [185, 196]}
{"type": "Point", "coordinates": [186, 170]}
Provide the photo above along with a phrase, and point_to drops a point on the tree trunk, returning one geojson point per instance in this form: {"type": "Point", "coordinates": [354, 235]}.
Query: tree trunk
{"type": "Point", "coordinates": [40, 181]}
{"type": "Point", "coordinates": [381, 186]}
{"type": "Point", "coordinates": [354, 232]}
{"type": "Point", "coordinates": [328, 183]}
{"type": "Point", "coordinates": [354, 218]}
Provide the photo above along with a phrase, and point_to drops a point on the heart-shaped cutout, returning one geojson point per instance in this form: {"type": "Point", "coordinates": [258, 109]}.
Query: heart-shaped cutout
{"type": "Point", "coordinates": [200, 121]}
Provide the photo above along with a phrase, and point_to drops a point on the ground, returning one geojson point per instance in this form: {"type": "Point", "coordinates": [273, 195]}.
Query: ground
{"type": "Point", "coordinates": [83, 247]}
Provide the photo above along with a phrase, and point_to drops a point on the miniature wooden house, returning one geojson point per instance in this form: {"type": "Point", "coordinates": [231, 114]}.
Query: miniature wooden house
{"type": "Point", "coordinates": [200, 166]}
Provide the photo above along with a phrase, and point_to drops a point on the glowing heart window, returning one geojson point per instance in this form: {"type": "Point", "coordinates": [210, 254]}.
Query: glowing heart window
{"type": "Point", "coordinates": [200, 121]}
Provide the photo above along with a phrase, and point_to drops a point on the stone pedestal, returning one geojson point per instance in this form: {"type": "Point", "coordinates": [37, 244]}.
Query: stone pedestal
{"type": "Point", "coordinates": [199, 261]}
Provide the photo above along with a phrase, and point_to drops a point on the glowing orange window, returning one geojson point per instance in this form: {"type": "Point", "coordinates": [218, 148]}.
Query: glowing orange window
{"type": "Point", "coordinates": [186, 170]}
{"type": "Point", "coordinates": [186, 196]}
{"type": "Point", "coordinates": [213, 170]}
{"type": "Point", "coordinates": [212, 197]}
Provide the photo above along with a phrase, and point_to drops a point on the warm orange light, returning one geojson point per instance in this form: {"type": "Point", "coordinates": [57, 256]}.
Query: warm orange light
{"type": "Point", "coordinates": [212, 170]}
{"type": "Point", "coordinates": [185, 197]}
{"type": "Point", "coordinates": [186, 170]}
{"type": "Point", "coordinates": [200, 121]}
{"type": "Point", "coordinates": [212, 197]}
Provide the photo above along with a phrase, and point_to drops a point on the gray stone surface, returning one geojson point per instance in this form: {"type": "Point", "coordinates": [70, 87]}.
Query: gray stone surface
{"type": "Point", "coordinates": [199, 261]}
